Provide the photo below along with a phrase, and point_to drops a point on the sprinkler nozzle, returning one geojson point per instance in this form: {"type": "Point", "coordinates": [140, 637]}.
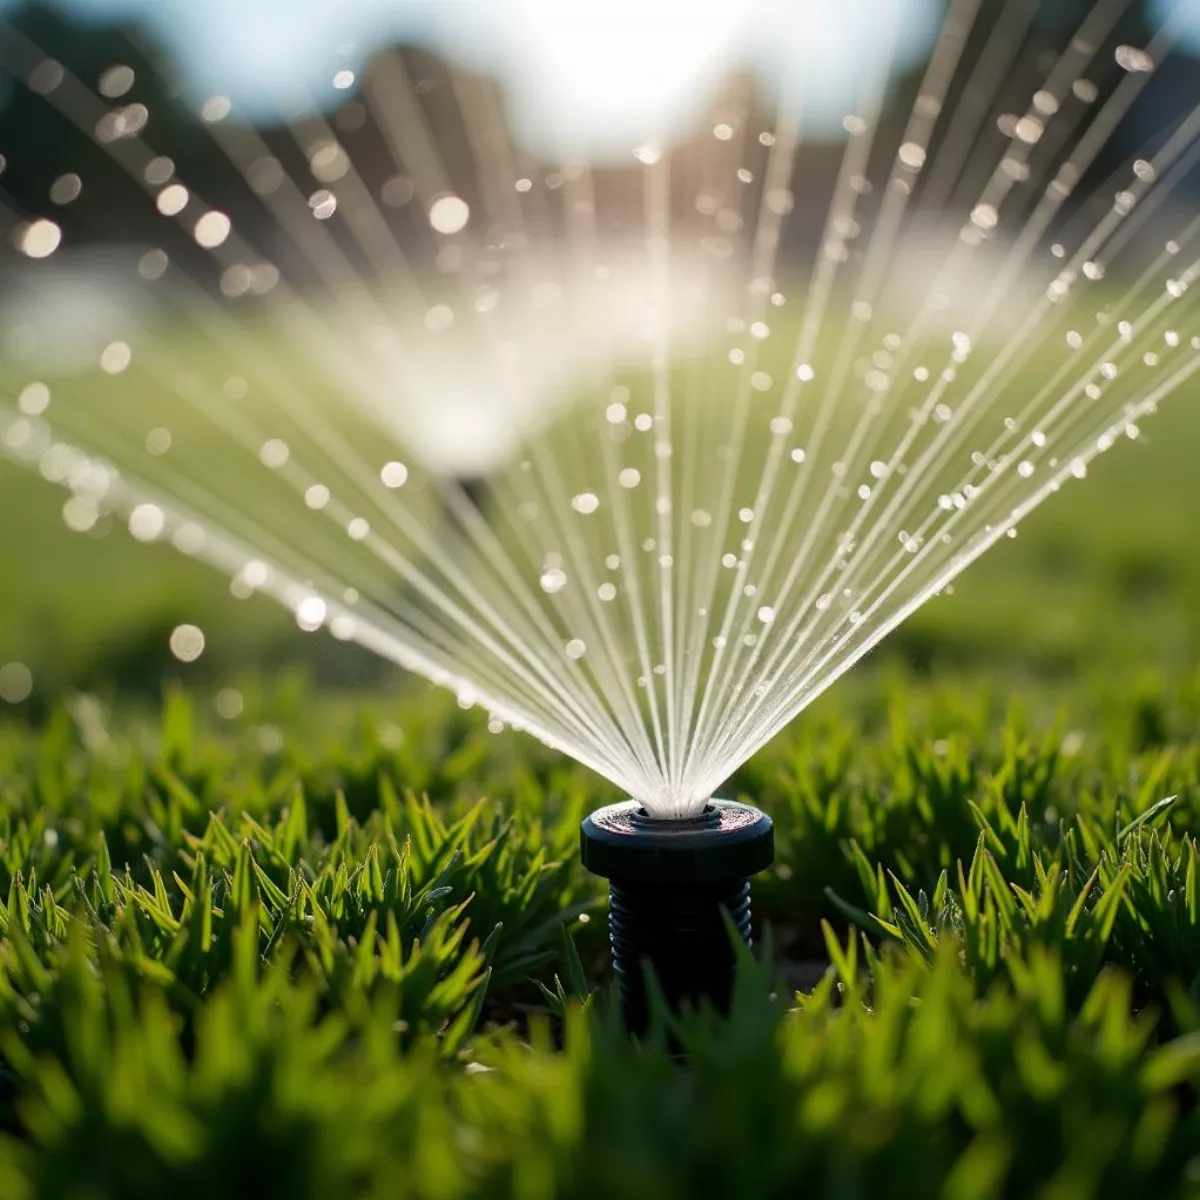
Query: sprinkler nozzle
{"type": "Point", "coordinates": [669, 882]}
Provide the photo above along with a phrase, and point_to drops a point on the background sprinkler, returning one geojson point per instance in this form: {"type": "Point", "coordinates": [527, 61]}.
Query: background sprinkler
{"type": "Point", "coordinates": [669, 883]}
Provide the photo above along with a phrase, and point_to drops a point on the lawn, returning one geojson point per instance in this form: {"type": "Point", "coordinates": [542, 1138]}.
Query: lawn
{"type": "Point", "coordinates": [334, 940]}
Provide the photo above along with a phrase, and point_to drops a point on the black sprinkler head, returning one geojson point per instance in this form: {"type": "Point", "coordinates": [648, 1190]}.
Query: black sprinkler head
{"type": "Point", "coordinates": [669, 881]}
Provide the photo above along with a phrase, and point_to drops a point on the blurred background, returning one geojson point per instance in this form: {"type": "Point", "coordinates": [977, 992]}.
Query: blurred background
{"type": "Point", "coordinates": [1103, 581]}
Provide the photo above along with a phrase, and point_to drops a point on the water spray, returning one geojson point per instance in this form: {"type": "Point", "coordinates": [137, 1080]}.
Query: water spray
{"type": "Point", "coordinates": [701, 477]}
{"type": "Point", "coordinates": [679, 891]}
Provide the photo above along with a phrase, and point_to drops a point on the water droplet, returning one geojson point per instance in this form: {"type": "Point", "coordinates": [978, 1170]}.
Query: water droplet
{"type": "Point", "coordinates": [393, 474]}
{"type": "Point", "coordinates": [553, 580]}
{"type": "Point", "coordinates": [46, 76]}
{"type": "Point", "coordinates": [153, 265]}
{"type": "Point", "coordinates": [323, 204]}
{"type": "Point", "coordinates": [274, 453]}
{"type": "Point", "coordinates": [16, 682]}
{"type": "Point", "coordinates": [1029, 130]}
{"type": "Point", "coordinates": [255, 573]}
{"type": "Point", "coordinates": [780, 201]}
{"type": "Point", "coordinates": [34, 399]}
{"type": "Point", "coordinates": [115, 82]}
{"type": "Point", "coordinates": [39, 239]}
{"type": "Point", "coordinates": [66, 188]}
{"type": "Point", "coordinates": [187, 642]}
{"type": "Point", "coordinates": [585, 502]}
{"type": "Point", "coordinates": [328, 162]}
{"type": "Point", "coordinates": [630, 477]}
{"type": "Point", "coordinates": [576, 648]}
{"type": "Point", "coordinates": [212, 229]}
{"type": "Point", "coordinates": [1130, 58]}
{"type": "Point", "coordinates": [115, 358]}
{"type": "Point", "coordinates": [121, 123]}
{"type": "Point", "coordinates": [147, 522]}
{"type": "Point", "coordinates": [172, 200]}
{"type": "Point", "coordinates": [985, 216]}
{"type": "Point", "coordinates": [449, 214]}
{"type": "Point", "coordinates": [215, 109]}
{"type": "Point", "coordinates": [310, 613]}
{"type": "Point", "coordinates": [79, 515]}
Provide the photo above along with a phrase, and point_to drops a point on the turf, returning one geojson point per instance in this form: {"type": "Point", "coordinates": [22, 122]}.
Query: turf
{"type": "Point", "coordinates": [303, 966]}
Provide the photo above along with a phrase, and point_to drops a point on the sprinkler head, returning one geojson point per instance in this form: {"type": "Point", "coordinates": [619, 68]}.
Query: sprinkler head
{"type": "Point", "coordinates": [669, 883]}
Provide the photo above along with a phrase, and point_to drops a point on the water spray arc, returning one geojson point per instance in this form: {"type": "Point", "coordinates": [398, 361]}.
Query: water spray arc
{"type": "Point", "coordinates": [638, 458]}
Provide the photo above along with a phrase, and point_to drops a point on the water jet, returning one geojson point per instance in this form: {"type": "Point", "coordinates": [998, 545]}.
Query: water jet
{"type": "Point", "coordinates": [724, 414]}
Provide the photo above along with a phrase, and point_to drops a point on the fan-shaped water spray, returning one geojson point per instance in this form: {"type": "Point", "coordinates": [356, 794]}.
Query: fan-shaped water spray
{"type": "Point", "coordinates": [729, 411]}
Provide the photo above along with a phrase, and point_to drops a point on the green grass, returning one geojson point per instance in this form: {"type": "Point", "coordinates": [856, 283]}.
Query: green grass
{"type": "Point", "coordinates": [308, 970]}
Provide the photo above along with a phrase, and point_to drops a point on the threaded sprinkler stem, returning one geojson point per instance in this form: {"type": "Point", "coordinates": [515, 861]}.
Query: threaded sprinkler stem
{"type": "Point", "coordinates": [669, 884]}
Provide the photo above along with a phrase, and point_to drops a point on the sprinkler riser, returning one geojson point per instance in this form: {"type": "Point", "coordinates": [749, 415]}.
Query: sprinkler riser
{"type": "Point", "coordinates": [682, 933]}
{"type": "Point", "coordinates": [675, 890]}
